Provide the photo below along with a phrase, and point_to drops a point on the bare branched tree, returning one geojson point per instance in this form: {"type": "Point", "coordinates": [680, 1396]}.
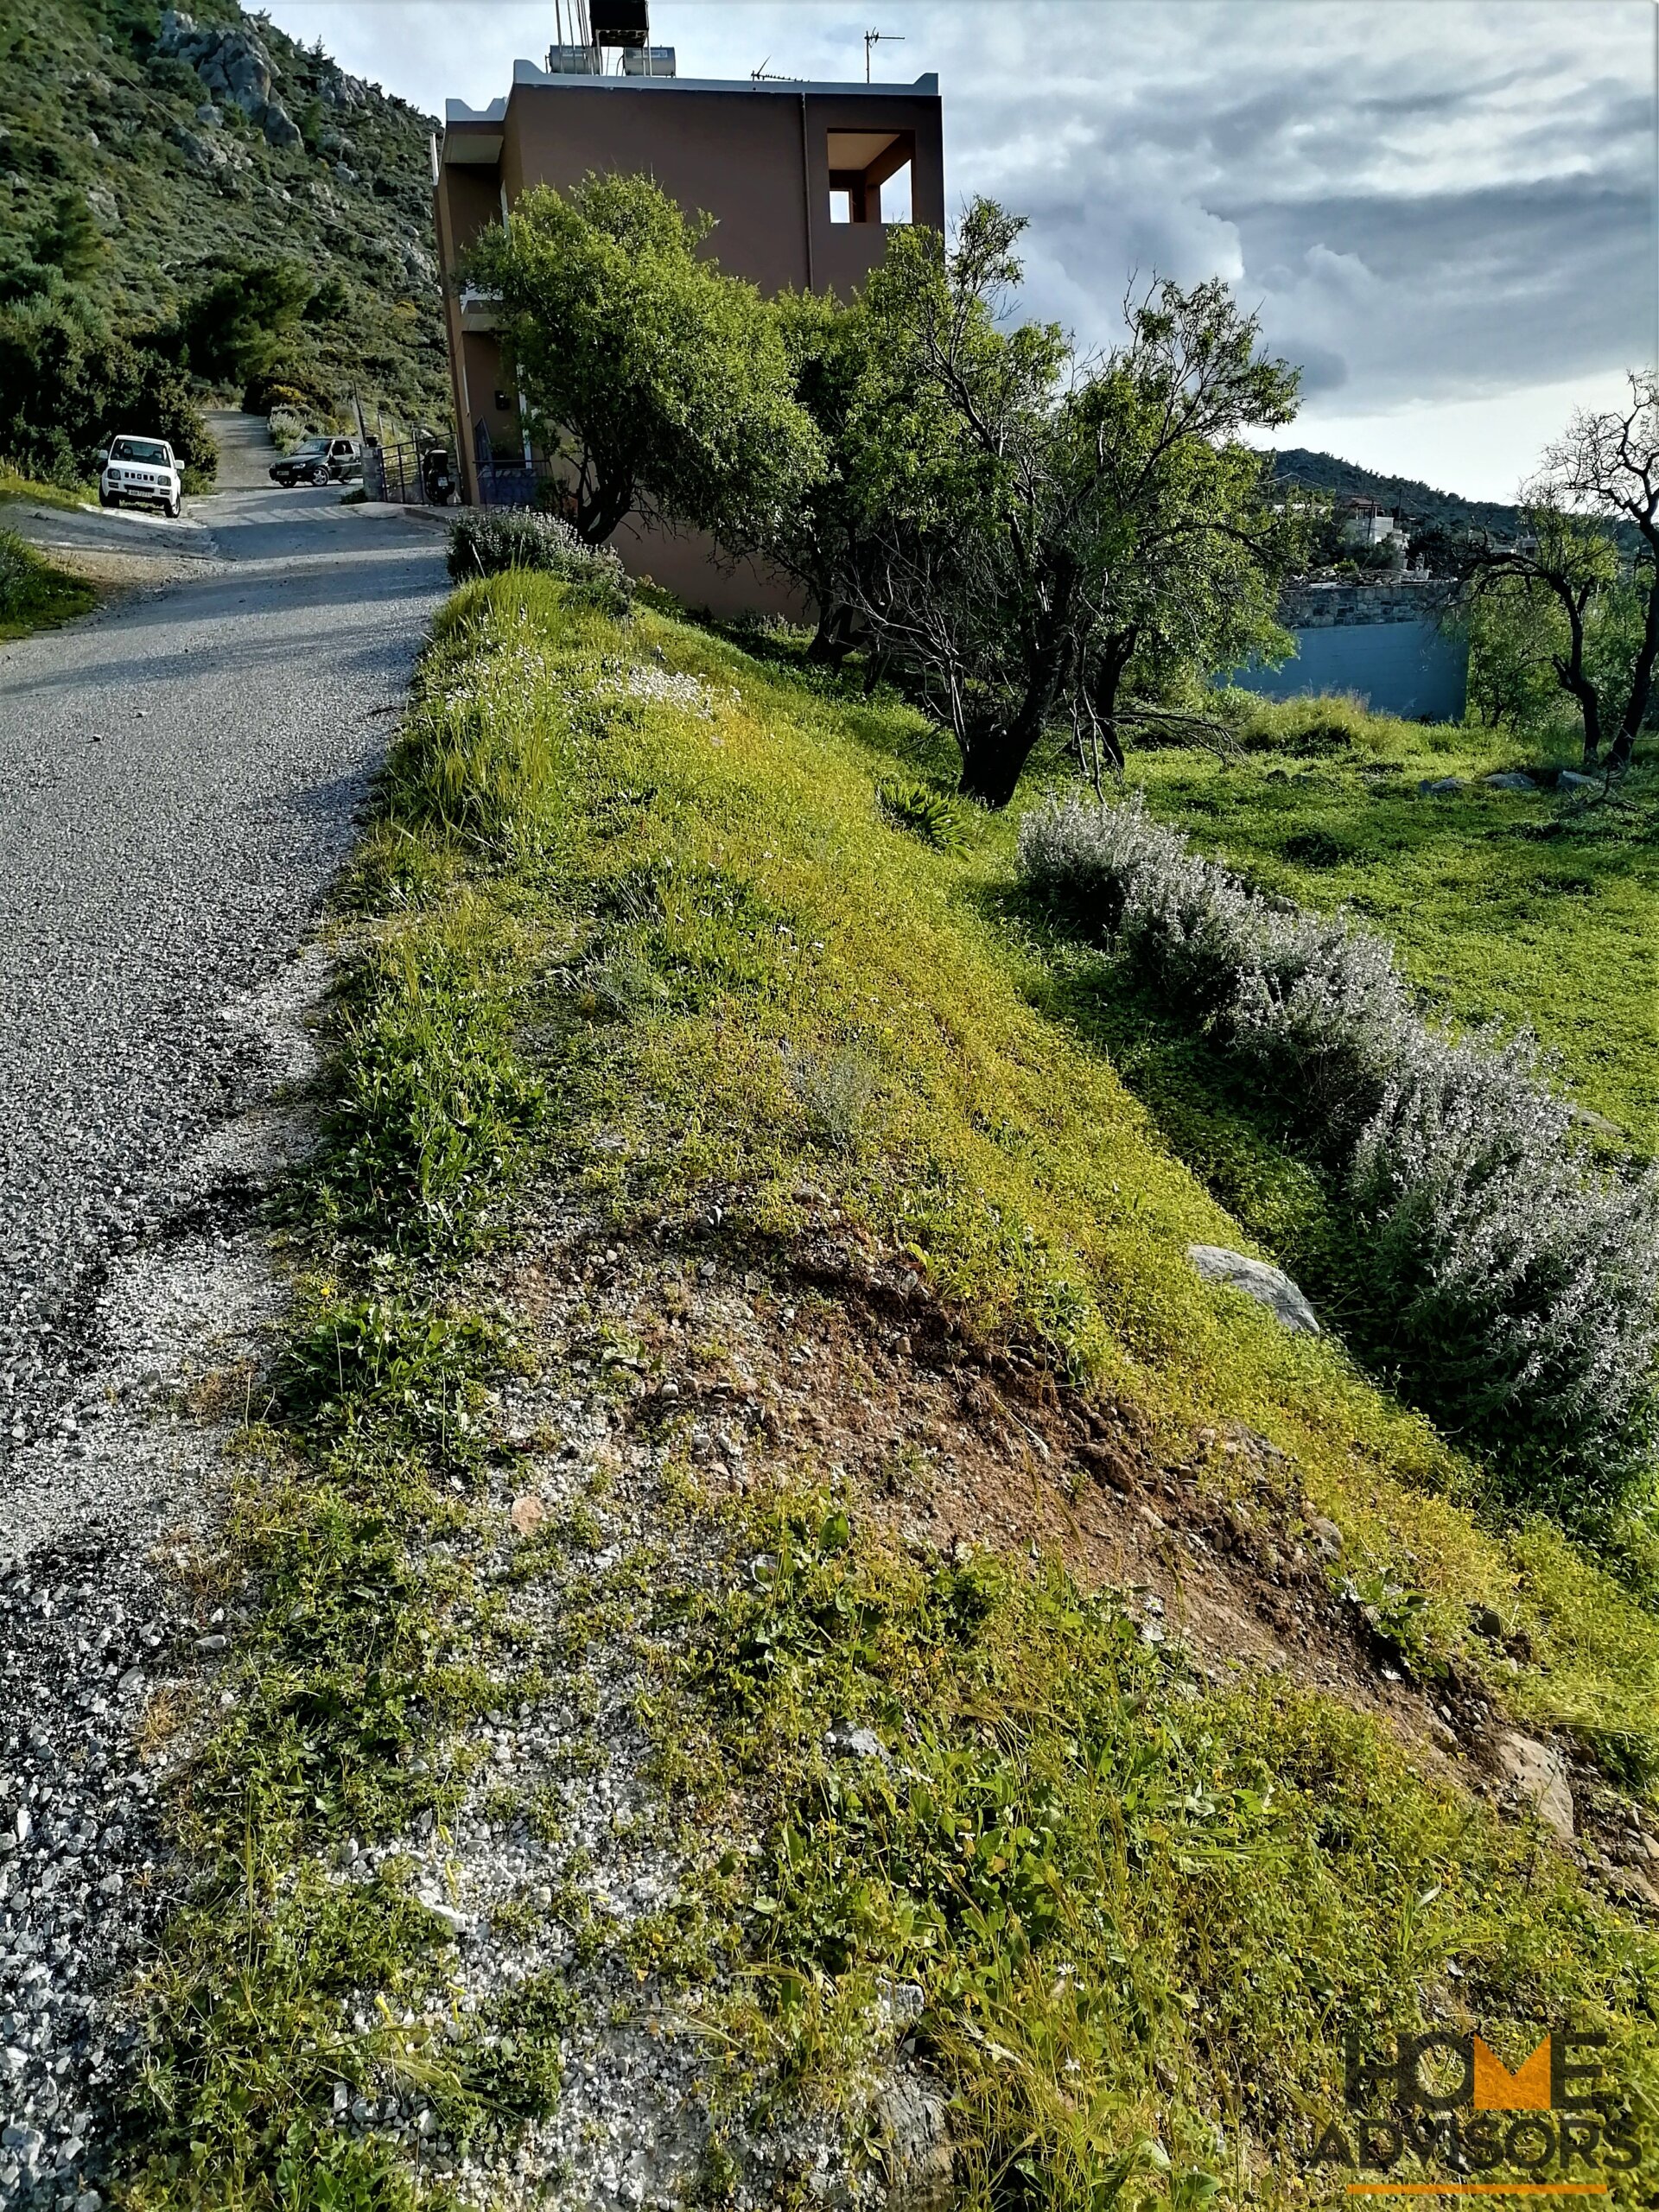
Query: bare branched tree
{"type": "Point", "coordinates": [1598, 489]}
{"type": "Point", "coordinates": [1608, 465]}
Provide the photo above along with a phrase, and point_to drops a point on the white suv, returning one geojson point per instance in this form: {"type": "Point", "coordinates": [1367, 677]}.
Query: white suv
{"type": "Point", "coordinates": [142, 469]}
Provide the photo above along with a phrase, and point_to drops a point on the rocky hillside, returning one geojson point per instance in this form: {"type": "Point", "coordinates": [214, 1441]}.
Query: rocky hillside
{"type": "Point", "coordinates": [200, 143]}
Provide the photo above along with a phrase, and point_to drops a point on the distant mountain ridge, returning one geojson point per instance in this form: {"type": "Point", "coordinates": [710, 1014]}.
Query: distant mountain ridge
{"type": "Point", "coordinates": [1412, 501]}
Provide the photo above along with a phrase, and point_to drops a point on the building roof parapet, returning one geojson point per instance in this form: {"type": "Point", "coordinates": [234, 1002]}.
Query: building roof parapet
{"type": "Point", "coordinates": [528, 73]}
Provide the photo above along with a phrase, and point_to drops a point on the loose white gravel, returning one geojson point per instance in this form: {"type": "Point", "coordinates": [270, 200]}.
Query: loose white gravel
{"type": "Point", "coordinates": [179, 780]}
{"type": "Point", "coordinates": [178, 783]}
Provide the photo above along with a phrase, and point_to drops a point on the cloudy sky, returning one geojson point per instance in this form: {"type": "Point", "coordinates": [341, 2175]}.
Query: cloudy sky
{"type": "Point", "coordinates": [1445, 209]}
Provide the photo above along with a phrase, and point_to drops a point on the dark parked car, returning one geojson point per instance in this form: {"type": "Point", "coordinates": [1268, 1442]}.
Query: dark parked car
{"type": "Point", "coordinates": [320, 460]}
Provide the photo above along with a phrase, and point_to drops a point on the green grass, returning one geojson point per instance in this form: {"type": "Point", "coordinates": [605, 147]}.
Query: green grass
{"type": "Point", "coordinates": [1536, 911]}
{"type": "Point", "coordinates": [1140, 1914]}
{"type": "Point", "coordinates": [749, 967]}
{"type": "Point", "coordinates": [683, 932]}
{"type": "Point", "coordinates": [14, 485]}
{"type": "Point", "coordinates": [34, 595]}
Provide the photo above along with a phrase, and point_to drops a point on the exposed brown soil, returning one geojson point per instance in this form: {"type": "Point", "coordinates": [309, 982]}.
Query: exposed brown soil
{"type": "Point", "coordinates": [828, 1359]}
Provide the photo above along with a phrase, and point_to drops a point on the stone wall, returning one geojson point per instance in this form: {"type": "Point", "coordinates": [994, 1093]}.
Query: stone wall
{"type": "Point", "coordinates": [1326, 606]}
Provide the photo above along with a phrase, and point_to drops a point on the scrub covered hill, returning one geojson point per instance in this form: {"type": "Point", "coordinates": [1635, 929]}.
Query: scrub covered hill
{"type": "Point", "coordinates": [1416, 502]}
{"type": "Point", "coordinates": [144, 153]}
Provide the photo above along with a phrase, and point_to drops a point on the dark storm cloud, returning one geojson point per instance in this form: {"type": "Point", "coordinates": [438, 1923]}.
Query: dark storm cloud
{"type": "Point", "coordinates": [1445, 289]}
{"type": "Point", "coordinates": [1441, 211]}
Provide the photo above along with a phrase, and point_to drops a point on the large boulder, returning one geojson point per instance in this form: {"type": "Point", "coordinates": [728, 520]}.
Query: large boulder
{"type": "Point", "coordinates": [207, 155]}
{"type": "Point", "coordinates": [280, 128]}
{"type": "Point", "coordinates": [234, 66]}
{"type": "Point", "coordinates": [1268, 1286]}
{"type": "Point", "coordinates": [912, 2126]}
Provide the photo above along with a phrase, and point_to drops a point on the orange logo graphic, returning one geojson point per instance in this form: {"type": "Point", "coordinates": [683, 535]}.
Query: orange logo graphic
{"type": "Point", "coordinates": [1528, 2089]}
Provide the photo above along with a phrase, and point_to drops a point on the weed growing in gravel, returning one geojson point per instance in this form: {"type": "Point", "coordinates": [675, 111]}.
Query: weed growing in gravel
{"type": "Point", "coordinates": [358, 1669]}
{"type": "Point", "coordinates": [432, 1107]}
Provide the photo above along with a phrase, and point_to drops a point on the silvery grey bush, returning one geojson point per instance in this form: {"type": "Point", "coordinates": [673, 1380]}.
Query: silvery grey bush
{"type": "Point", "coordinates": [1521, 1284]}
{"type": "Point", "coordinates": [484, 541]}
{"type": "Point", "coordinates": [1514, 1281]}
{"type": "Point", "coordinates": [1314, 1006]}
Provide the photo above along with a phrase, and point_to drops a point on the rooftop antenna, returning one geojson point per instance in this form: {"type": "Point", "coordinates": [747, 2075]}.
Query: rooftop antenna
{"type": "Point", "coordinates": [875, 38]}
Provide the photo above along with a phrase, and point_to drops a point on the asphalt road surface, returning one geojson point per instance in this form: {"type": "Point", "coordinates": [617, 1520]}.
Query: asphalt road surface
{"type": "Point", "coordinates": [179, 778]}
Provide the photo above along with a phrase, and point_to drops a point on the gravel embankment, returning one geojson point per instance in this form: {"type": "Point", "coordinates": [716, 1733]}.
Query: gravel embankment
{"type": "Point", "coordinates": [179, 780]}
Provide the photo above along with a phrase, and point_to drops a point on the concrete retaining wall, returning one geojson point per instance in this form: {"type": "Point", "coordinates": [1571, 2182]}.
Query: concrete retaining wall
{"type": "Point", "coordinates": [1383, 642]}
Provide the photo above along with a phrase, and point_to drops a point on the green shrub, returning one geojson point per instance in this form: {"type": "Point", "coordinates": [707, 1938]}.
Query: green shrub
{"type": "Point", "coordinates": [67, 385]}
{"type": "Point", "coordinates": [926, 813]}
{"type": "Point", "coordinates": [16, 573]}
{"type": "Point", "coordinates": [485, 542]}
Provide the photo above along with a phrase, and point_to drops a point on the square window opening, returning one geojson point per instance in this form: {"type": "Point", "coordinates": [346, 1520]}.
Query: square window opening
{"type": "Point", "coordinates": [870, 175]}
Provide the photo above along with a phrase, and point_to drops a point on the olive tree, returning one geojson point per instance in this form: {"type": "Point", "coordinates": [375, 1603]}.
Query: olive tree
{"type": "Point", "coordinates": [658, 384]}
{"type": "Point", "coordinates": [1608, 465]}
{"type": "Point", "coordinates": [1041, 537]}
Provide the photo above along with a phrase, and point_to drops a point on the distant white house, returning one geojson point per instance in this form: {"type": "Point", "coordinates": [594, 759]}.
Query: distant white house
{"type": "Point", "coordinates": [1365, 523]}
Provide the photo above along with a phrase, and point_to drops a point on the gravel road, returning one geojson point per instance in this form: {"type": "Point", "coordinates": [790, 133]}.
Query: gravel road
{"type": "Point", "coordinates": [178, 780]}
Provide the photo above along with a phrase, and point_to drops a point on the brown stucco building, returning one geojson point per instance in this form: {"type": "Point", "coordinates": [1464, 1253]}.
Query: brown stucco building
{"type": "Point", "coordinates": [794, 174]}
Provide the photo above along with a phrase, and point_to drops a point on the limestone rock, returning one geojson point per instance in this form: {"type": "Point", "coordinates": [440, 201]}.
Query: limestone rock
{"type": "Point", "coordinates": [1508, 780]}
{"type": "Point", "coordinates": [1268, 1286]}
{"type": "Point", "coordinates": [1440, 786]}
{"type": "Point", "coordinates": [1326, 1537]}
{"type": "Point", "coordinates": [234, 67]}
{"type": "Point", "coordinates": [1570, 779]}
{"type": "Point", "coordinates": [280, 129]}
{"type": "Point", "coordinates": [842, 1739]}
{"type": "Point", "coordinates": [1539, 1775]}
{"type": "Point", "coordinates": [342, 91]}
{"type": "Point", "coordinates": [204, 153]}
{"type": "Point", "coordinates": [913, 2128]}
